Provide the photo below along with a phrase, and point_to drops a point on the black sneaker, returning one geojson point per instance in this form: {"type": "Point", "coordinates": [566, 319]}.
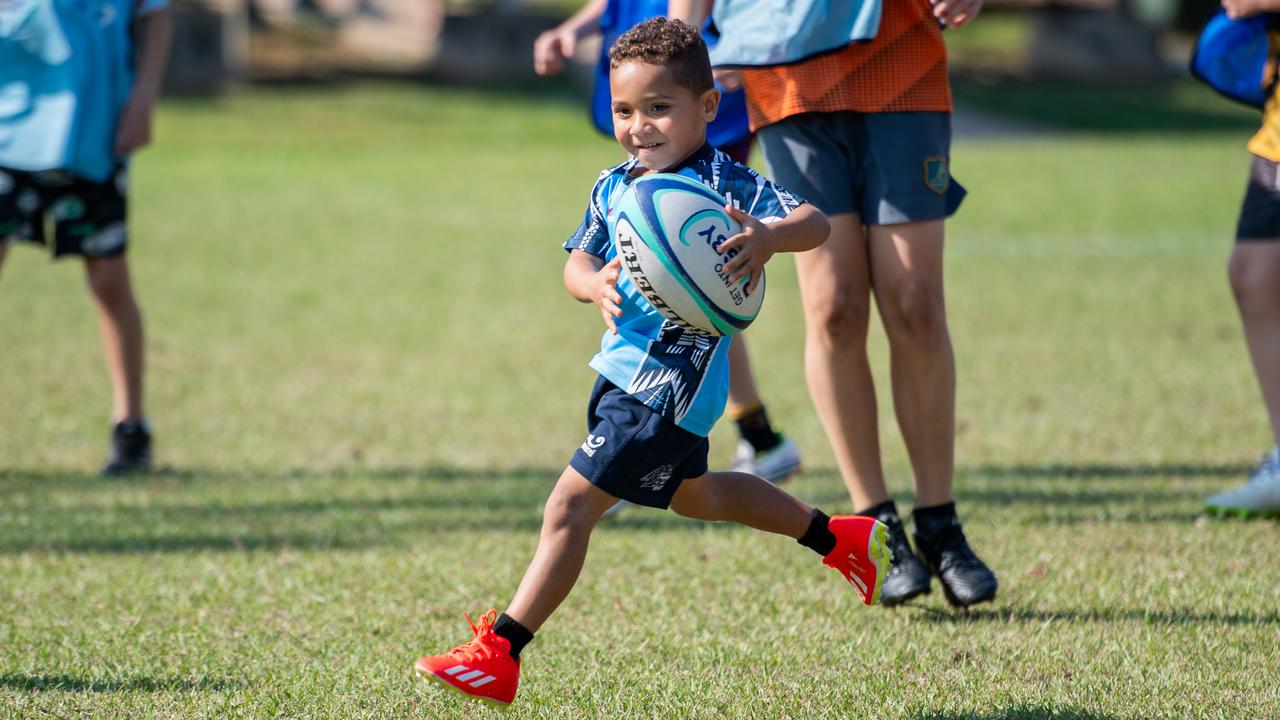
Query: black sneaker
{"type": "Point", "coordinates": [130, 449]}
{"type": "Point", "coordinates": [908, 577]}
{"type": "Point", "coordinates": [966, 580]}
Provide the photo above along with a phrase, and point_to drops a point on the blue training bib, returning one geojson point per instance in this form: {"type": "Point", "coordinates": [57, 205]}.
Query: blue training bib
{"type": "Point", "coordinates": [1231, 56]}
{"type": "Point", "coordinates": [730, 126]}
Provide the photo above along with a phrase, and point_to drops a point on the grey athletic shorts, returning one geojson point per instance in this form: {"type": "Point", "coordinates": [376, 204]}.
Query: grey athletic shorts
{"type": "Point", "coordinates": [889, 168]}
{"type": "Point", "coordinates": [1260, 215]}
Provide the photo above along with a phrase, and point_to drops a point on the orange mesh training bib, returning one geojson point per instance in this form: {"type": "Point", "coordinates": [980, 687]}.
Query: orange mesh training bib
{"type": "Point", "coordinates": [903, 69]}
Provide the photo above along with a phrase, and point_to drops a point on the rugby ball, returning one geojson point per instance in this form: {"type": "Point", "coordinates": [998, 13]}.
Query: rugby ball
{"type": "Point", "coordinates": [667, 229]}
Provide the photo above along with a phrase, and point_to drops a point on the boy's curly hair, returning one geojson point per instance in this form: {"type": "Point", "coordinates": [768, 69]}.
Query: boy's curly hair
{"type": "Point", "coordinates": [667, 43]}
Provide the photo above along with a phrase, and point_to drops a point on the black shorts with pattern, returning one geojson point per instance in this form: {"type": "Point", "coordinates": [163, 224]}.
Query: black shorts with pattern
{"type": "Point", "coordinates": [88, 218]}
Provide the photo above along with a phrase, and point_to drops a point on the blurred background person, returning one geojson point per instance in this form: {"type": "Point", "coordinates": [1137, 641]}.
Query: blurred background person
{"type": "Point", "coordinates": [1254, 272]}
{"type": "Point", "coordinates": [90, 91]}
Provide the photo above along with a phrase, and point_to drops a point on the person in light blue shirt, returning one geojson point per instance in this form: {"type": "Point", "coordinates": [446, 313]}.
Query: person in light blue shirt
{"type": "Point", "coordinates": [78, 85]}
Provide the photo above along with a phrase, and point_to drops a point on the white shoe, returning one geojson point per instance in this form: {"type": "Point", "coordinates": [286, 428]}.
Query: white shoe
{"type": "Point", "coordinates": [617, 508]}
{"type": "Point", "coordinates": [1260, 496]}
{"type": "Point", "coordinates": [775, 464]}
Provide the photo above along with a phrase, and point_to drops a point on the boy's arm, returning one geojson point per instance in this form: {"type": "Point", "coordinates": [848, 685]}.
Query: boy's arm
{"type": "Point", "coordinates": [956, 13]}
{"type": "Point", "coordinates": [554, 46]}
{"type": "Point", "coordinates": [804, 229]}
{"type": "Point", "coordinates": [591, 280]}
{"type": "Point", "coordinates": [693, 12]}
{"type": "Point", "coordinates": [1237, 9]}
{"type": "Point", "coordinates": [155, 31]}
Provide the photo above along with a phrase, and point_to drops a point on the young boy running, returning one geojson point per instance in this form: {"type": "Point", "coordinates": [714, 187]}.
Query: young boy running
{"type": "Point", "coordinates": [660, 388]}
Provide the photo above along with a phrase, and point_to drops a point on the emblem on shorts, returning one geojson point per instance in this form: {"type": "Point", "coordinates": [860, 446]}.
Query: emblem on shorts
{"type": "Point", "coordinates": [657, 478]}
{"type": "Point", "coordinates": [936, 174]}
{"type": "Point", "coordinates": [592, 444]}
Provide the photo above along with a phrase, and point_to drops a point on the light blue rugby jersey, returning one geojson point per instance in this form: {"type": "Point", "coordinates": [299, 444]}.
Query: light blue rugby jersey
{"type": "Point", "coordinates": [683, 376]}
{"type": "Point", "coordinates": [66, 70]}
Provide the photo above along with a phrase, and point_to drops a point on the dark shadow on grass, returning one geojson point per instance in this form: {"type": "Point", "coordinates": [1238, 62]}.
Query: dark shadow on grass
{"type": "Point", "coordinates": [1018, 712]}
{"type": "Point", "coordinates": [1097, 615]}
{"type": "Point", "coordinates": [196, 542]}
{"type": "Point", "coordinates": [1104, 471]}
{"type": "Point", "coordinates": [67, 683]}
{"type": "Point", "coordinates": [352, 508]}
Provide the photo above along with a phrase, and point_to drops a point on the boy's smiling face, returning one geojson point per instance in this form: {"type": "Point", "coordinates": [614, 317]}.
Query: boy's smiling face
{"type": "Point", "coordinates": [655, 118]}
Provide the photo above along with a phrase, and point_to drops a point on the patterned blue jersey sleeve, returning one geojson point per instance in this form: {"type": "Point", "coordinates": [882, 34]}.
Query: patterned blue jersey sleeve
{"type": "Point", "coordinates": [752, 192]}
{"type": "Point", "coordinates": [592, 236]}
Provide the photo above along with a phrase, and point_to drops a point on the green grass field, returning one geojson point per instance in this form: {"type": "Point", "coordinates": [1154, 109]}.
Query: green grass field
{"type": "Point", "coordinates": [365, 375]}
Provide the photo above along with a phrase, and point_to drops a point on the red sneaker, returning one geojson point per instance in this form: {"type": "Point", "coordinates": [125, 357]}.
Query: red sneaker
{"type": "Point", "coordinates": [482, 669]}
{"type": "Point", "coordinates": [861, 554]}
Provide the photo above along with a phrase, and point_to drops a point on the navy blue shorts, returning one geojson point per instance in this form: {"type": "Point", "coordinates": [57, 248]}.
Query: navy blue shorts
{"type": "Point", "coordinates": [1260, 214]}
{"type": "Point", "coordinates": [633, 453]}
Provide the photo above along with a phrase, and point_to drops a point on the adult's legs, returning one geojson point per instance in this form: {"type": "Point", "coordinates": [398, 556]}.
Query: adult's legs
{"type": "Point", "coordinates": [835, 283]}
{"type": "Point", "coordinates": [1254, 271]}
{"type": "Point", "coordinates": [571, 513]}
{"type": "Point", "coordinates": [906, 276]}
{"type": "Point", "coordinates": [120, 323]}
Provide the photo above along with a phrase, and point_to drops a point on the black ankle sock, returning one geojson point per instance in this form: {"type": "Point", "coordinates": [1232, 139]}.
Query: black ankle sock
{"type": "Point", "coordinates": [756, 430]}
{"type": "Point", "coordinates": [818, 537]}
{"type": "Point", "coordinates": [517, 634]}
{"type": "Point", "coordinates": [880, 511]}
{"type": "Point", "coordinates": [927, 520]}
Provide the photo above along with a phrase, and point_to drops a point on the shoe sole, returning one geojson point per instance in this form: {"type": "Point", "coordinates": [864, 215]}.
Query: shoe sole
{"type": "Point", "coordinates": [1243, 513]}
{"type": "Point", "coordinates": [428, 675]}
{"type": "Point", "coordinates": [878, 551]}
{"type": "Point", "coordinates": [956, 603]}
{"type": "Point", "coordinates": [890, 602]}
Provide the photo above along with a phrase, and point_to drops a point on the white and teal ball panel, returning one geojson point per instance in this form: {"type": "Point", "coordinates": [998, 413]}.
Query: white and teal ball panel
{"type": "Point", "coordinates": [667, 229]}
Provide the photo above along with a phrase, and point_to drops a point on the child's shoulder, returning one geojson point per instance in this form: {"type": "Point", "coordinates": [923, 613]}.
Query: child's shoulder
{"type": "Point", "coordinates": [609, 180]}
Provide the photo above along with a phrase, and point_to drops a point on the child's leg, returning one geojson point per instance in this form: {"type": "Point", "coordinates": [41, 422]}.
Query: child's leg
{"type": "Point", "coordinates": [120, 323]}
{"type": "Point", "coordinates": [1254, 271]}
{"type": "Point", "coordinates": [854, 546]}
{"type": "Point", "coordinates": [743, 499]}
{"type": "Point", "coordinates": [571, 513]}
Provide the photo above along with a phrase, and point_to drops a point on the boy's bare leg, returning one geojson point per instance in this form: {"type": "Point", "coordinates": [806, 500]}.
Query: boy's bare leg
{"type": "Point", "coordinates": [835, 284]}
{"type": "Point", "coordinates": [120, 323]}
{"type": "Point", "coordinates": [571, 513]}
{"type": "Point", "coordinates": [906, 274]}
{"type": "Point", "coordinates": [743, 499]}
{"type": "Point", "coordinates": [4, 250]}
{"type": "Point", "coordinates": [742, 383]}
{"type": "Point", "coordinates": [1254, 270]}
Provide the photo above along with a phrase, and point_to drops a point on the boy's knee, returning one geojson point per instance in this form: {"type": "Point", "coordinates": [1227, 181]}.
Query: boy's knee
{"type": "Point", "coordinates": [1253, 279]}
{"type": "Point", "coordinates": [841, 321]}
{"type": "Point", "coordinates": [108, 280]}
{"type": "Point", "coordinates": [916, 314]}
{"type": "Point", "coordinates": [567, 511]}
